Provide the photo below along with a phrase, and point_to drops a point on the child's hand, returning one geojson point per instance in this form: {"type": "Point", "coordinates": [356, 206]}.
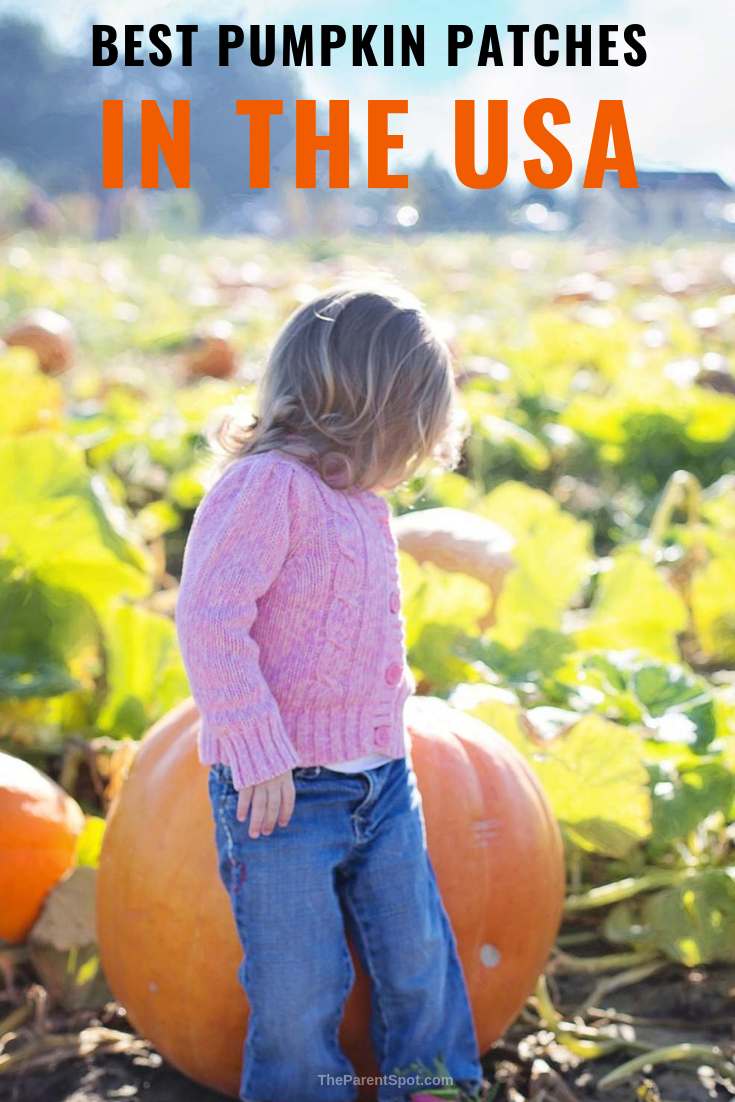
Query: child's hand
{"type": "Point", "coordinates": [269, 802]}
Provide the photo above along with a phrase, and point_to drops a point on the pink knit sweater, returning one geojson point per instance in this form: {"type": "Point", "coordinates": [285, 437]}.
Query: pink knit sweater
{"type": "Point", "coordinates": [289, 621]}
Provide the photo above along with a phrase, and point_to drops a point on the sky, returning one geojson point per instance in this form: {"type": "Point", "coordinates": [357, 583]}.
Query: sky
{"type": "Point", "coordinates": [678, 105]}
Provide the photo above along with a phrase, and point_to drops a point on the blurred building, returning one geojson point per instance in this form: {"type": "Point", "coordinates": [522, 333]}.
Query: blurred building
{"type": "Point", "coordinates": [665, 204]}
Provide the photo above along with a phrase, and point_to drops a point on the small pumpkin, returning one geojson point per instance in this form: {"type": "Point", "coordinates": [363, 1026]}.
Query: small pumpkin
{"type": "Point", "coordinates": [49, 335]}
{"type": "Point", "coordinates": [172, 960]}
{"type": "Point", "coordinates": [39, 828]}
{"type": "Point", "coordinates": [459, 541]}
{"type": "Point", "coordinates": [211, 352]}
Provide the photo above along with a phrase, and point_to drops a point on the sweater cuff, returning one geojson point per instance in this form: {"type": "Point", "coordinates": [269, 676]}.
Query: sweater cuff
{"type": "Point", "coordinates": [257, 753]}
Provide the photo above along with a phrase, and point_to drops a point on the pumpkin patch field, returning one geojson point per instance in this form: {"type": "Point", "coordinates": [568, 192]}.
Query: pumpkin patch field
{"type": "Point", "coordinates": [569, 599]}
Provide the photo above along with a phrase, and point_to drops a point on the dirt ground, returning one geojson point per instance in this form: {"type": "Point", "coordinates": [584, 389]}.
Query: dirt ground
{"type": "Point", "coordinates": [529, 1065]}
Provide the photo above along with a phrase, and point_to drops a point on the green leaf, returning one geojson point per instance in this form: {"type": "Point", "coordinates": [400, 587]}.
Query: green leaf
{"type": "Point", "coordinates": [89, 843]}
{"type": "Point", "coordinates": [441, 609]}
{"type": "Point", "coordinates": [49, 639]}
{"type": "Point", "coordinates": [718, 506]}
{"type": "Point", "coordinates": [532, 451]}
{"type": "Point", "coordinates": [29, 400]}
{"type": "Point", "coordinates": [676, 706]}
{"type": "Point", "coordinates": [630, 409]}
{"type": "Point", "coordinates": [58, 523]}
{"type": "Point", "coordinates": [145, 673]}
{"type": "Point", "coordinates": [597, 784]}
{"type": "Point", "coordinates": [634, 608]}
{"type": "Point", "coordinates": [679, 706]}
{"type": "Point", "coordinates": [498, 708]}
{"type": "Point", "coordinates": [685, 795]}
{"type": "Point", "coordinates": [186, 488]}
{"type": "Point", "coordinates": [556, 346]}
{"type": "Point", "coordinates": [713, 607]}
{"type": "Point", "coordinates": [593, 773]}
{"type": "Point", "coordinates": [22, 676]}
{"type": "Point", "coordinates": [157, 518]}
{"type": "Point", "coordinates": [694, 923]}
{"type": "Point", "coordinates": [195, 404]}
{"type": "Point", "coordinates": [447, 488]}
{"type": "Point", "coordinates": [725, 714]}
{"type": "Point", "coordinates": [528, 668]}
{"type": "Point", "coordinates": [552, 557]}
{"type": "Point", "coordinates": [601, 682]}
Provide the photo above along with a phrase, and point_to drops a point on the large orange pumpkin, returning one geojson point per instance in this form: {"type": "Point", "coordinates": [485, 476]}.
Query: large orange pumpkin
{"type": "Point", "coordinates": [39, 827]}
{"type": "Point", "coordinates": [167, 937]}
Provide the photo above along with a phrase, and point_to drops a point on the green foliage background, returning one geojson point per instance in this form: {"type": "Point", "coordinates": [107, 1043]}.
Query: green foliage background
{"type": "Point", "coordinates": [590, 377]}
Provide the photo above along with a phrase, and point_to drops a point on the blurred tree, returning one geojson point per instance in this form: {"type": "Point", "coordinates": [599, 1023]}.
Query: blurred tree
{"type": "Point", "coordinates": [435, 195]}
{"type": "Point", "coordinates": [444, 204]}
{"type": "Point", "coordinates": [220, 137]}
{"type": "Point", "coordinates": [50, 129]}
{"type": "Point", "coordinates": [487, 210]}
{"type": "Point", "coordinates": [50, 123]}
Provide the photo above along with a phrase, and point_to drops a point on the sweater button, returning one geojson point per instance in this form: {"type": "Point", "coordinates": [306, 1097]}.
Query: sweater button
{"type": "Point", "coordinates": [395, 601]}
{"type": "Point", "coordinates": [393, 674]}
{"type": "Point", "coordinates": [382, 736]}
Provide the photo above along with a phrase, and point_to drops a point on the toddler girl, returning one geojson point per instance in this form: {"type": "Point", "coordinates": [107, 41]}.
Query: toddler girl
{"type": "Point", "coordinates": [290, 624]}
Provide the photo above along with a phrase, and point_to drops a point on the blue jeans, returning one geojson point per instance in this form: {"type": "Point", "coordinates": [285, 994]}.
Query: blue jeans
{"type": "Point", "coordinates": [352, 857]}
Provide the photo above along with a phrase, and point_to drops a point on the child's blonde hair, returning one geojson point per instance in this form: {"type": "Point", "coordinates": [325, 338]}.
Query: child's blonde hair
{"type": "Point", "coordinates": [359, 386]}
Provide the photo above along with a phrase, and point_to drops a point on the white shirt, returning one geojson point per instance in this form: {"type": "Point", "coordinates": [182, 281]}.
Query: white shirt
{"type": "Point", "coordinates": [359, 765]}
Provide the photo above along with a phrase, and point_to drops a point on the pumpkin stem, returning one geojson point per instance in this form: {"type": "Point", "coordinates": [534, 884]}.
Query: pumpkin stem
{"type": "Point", "coordinates": [701, 1054]}
{"type": "Point", "coordinates": [606, 894]}
{"type": "Point", "coordinates": [565, 962]}
{"type": "Point", "coordinates": [548, 1013]}
{"type": "Point", "coordinates": [683, 490]}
